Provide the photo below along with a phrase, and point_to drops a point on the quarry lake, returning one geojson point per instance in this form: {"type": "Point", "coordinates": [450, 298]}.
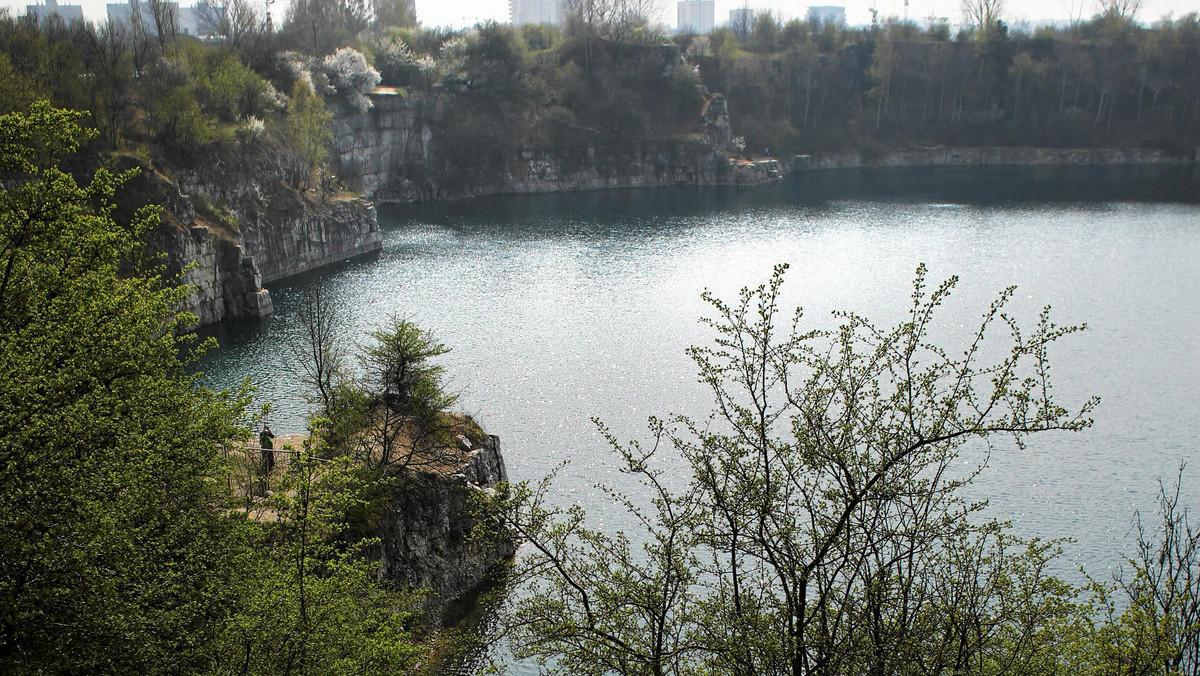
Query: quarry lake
{"type": "Point", "coordinates": [561, 308]}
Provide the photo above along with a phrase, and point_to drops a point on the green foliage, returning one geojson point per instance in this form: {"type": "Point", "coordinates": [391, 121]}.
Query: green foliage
{"type": "Point", "coordinates": [111, 546]}
{"type": "Point", "coordinates": [495, 60]}
{"type": "Point", "coordinates": [394, 59]}
{"type": "Point", "coordinates": [308, 134]}
{"type": "Point", "coordinates": [820, 529]}
{"type": "Point", "coordinates": [397, 361]}
{"type": "Point", "coordinates": [394, 414]}
{"type": "Point", "coordinates": [406, 394]}
{"type": "Point", "coordinates": [309, 605]}
{"type": "Point", "coordinates": [233, 92]}
{"type": "Point", "coordinates": [16, 92]}
{"type": "Point", "coordinates": [120, 549]}
{"type": "Point", "coordinates": [539, 36]}
{"type": "Point", "coordinates": [764, 37]}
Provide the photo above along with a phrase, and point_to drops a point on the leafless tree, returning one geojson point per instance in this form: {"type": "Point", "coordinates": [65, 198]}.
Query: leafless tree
{"type": "Point", "coordinates": [141, 38]}
{"type": "Point", "coordinates": [1120, 9]}
{"type": "Point", "coordinates": [110, 55]}
{"type": "Point", "coordinates": [319, 359]}
{"type": "Point", "coordinates": [742, 22]}
{"type": "Point", "coordinates": [247, 29]}
{"type": "Point", "coordinates": [982, 14]}
{"type": "Point", "coordinates": [612, 20]}
{"type": "Point", "coordinates": [165, 15]}
{"type": "Point", "coordinates": [210, 18]}
{"type": "Point", "coordinates": [1164, 587]}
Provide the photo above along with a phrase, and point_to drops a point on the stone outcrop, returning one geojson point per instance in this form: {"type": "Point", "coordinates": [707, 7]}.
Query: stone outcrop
{"type": "Point", "coordinates": [717, 129]}
{"type": "Point", "coordinates": [286, 231]}
{"type": "Point", "coordinates": [227, 282]}
{"type": "Point", "coordinates": [304, 237]}
{"type": "Point", "coordinates": [427, 536]}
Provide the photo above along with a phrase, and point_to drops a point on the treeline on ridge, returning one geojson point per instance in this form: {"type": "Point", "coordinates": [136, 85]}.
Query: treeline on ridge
{"type": "Point", "coordinates": [498, 90]}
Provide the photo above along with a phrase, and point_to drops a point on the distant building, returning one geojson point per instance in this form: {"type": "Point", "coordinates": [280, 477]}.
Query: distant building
{"type": "Point", "coordinates": [819, 16]}
{"type": "Point", "coordinates": [696, 16]}
{"type": "Point", "coordinates": [741, 21]}
{"type": "Point", "coordinates": [199, 20]}
{"type": "Point", "coordinates": [68, 13]}
{"type": "Point", "coordinates": [536, 11]}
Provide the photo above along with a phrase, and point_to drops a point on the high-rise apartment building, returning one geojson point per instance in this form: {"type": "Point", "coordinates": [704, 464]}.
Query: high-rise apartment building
{"type": "Point", "coordinates": [68, 13]}
{"type": "Point", "coordinates": [696, 16]}
{"type": "Point", "coordinates": [201, 19]}
{"type": "Point", "coordinates": [741, 21]}
{"type": "Point", "coordinates": [536, 11]}
{"type": "Point", "coordinates": [821, 15]}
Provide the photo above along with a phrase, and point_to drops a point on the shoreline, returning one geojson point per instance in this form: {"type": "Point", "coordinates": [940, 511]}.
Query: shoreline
{"type": "Point", "coordinates": [989, 156]}
{"type": "Point", "coordinates": [758, 171]}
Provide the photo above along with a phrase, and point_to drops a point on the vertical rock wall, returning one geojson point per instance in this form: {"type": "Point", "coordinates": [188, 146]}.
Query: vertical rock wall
{"type": "Point", "coordinates": [293, 240]}
{"type": "Point", "coordinates": [425, 536]}
{"type": "Point", "coordinates": [391, 152]}
{"type": "Point", "coordinates": [226, 281]}
{"type": "Point", "coordinates": [234, 224]}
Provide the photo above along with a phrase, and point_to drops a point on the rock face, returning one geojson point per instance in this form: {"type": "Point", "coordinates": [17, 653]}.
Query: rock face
{"type": "Point", "coordinates": [227, 282]}
{"type": "Point", "coordinates": [233, 224]}
{"type": "Point", "coordinates": [304, 238]}
{"type": "Point", "coordinates": [425, 536]}
{"type": "Point", "coordinates": [286, 231]}
{"type": "Point", "coordinates": [390, 153]}
{"type": "Point", "coordinates": [717, 129]}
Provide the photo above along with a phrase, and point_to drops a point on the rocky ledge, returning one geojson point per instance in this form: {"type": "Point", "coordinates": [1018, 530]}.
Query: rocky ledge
{"type": "Point", "coordinates": [235, 224]}
{"type": "Point", "coordinates": [394, 153]}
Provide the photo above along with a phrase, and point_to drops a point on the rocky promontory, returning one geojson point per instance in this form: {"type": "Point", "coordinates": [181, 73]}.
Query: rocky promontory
{"type": "Point", "coordinates": [429, 536]}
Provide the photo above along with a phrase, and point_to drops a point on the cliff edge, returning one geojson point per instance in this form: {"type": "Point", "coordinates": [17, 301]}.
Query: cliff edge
{"type": "Point", "coordinates": [233, 224]}
{"type": "Point", "coordinates": [429, 534]}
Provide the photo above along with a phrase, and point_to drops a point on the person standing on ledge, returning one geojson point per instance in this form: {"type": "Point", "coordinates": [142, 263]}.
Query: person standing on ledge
{"type": "Point", "coordinates": [265, 442]}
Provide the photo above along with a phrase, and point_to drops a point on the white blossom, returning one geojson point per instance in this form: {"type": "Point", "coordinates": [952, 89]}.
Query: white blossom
{"type": "Point", "coordinates": [351, 76]}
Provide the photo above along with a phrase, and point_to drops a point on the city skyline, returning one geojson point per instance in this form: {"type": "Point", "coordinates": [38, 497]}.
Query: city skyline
{"type": "Point", "coordinates": [464, 13]}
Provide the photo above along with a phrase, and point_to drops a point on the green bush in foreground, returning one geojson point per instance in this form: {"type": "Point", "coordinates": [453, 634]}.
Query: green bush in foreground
{"type": "Point", "coordinates": [819, 527]}
{"type": "Point", "coordinates": [119, 552]}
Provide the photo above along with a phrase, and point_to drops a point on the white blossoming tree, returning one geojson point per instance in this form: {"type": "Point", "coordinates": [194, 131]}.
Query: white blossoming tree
{"type": "Point", "coordinates": [352, 77]}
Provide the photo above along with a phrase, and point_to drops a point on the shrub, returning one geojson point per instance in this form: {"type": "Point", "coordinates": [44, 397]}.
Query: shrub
{"type": "Point", "coordinates": [351, 76]}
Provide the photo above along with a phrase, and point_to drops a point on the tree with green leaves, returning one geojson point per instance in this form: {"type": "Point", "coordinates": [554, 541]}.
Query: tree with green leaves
{"type": "Point", "coordinates": [405, 397]}
{"type": "Point", "coordinates": [820, 529]}
{"type": "Point", "coordinates": [393, 415]}
{"type": "Point", "coordinates": [308, 134]}
{"type": "Point", "coordinates": [121, 550]}
{"type": "Point", "coordinates": [309, 600]}
{"type": "Point", "coordinates": [112, 543]}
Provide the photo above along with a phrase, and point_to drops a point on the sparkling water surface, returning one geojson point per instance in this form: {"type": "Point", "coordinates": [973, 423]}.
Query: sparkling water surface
{"type": "Point", "coordinates": [561, 308]}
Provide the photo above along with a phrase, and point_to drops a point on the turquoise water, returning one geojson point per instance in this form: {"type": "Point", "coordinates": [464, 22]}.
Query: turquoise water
{"type": "Point", "coordinates": [563, 307]}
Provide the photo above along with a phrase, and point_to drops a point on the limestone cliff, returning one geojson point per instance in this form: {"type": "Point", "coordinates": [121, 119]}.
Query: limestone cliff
{"type": "Point", "coordinates": [226, 282]}
{"type": "Point", "coordinates": [427, 535]}
{"type": "Point", "coordinates": [392, 153]}
{"type": "Point", "coordinates": [233, 224]}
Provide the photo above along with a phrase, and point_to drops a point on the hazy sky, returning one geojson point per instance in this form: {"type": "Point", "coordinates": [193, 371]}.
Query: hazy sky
{"type": "Point", "coordinates": [460, 13]}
